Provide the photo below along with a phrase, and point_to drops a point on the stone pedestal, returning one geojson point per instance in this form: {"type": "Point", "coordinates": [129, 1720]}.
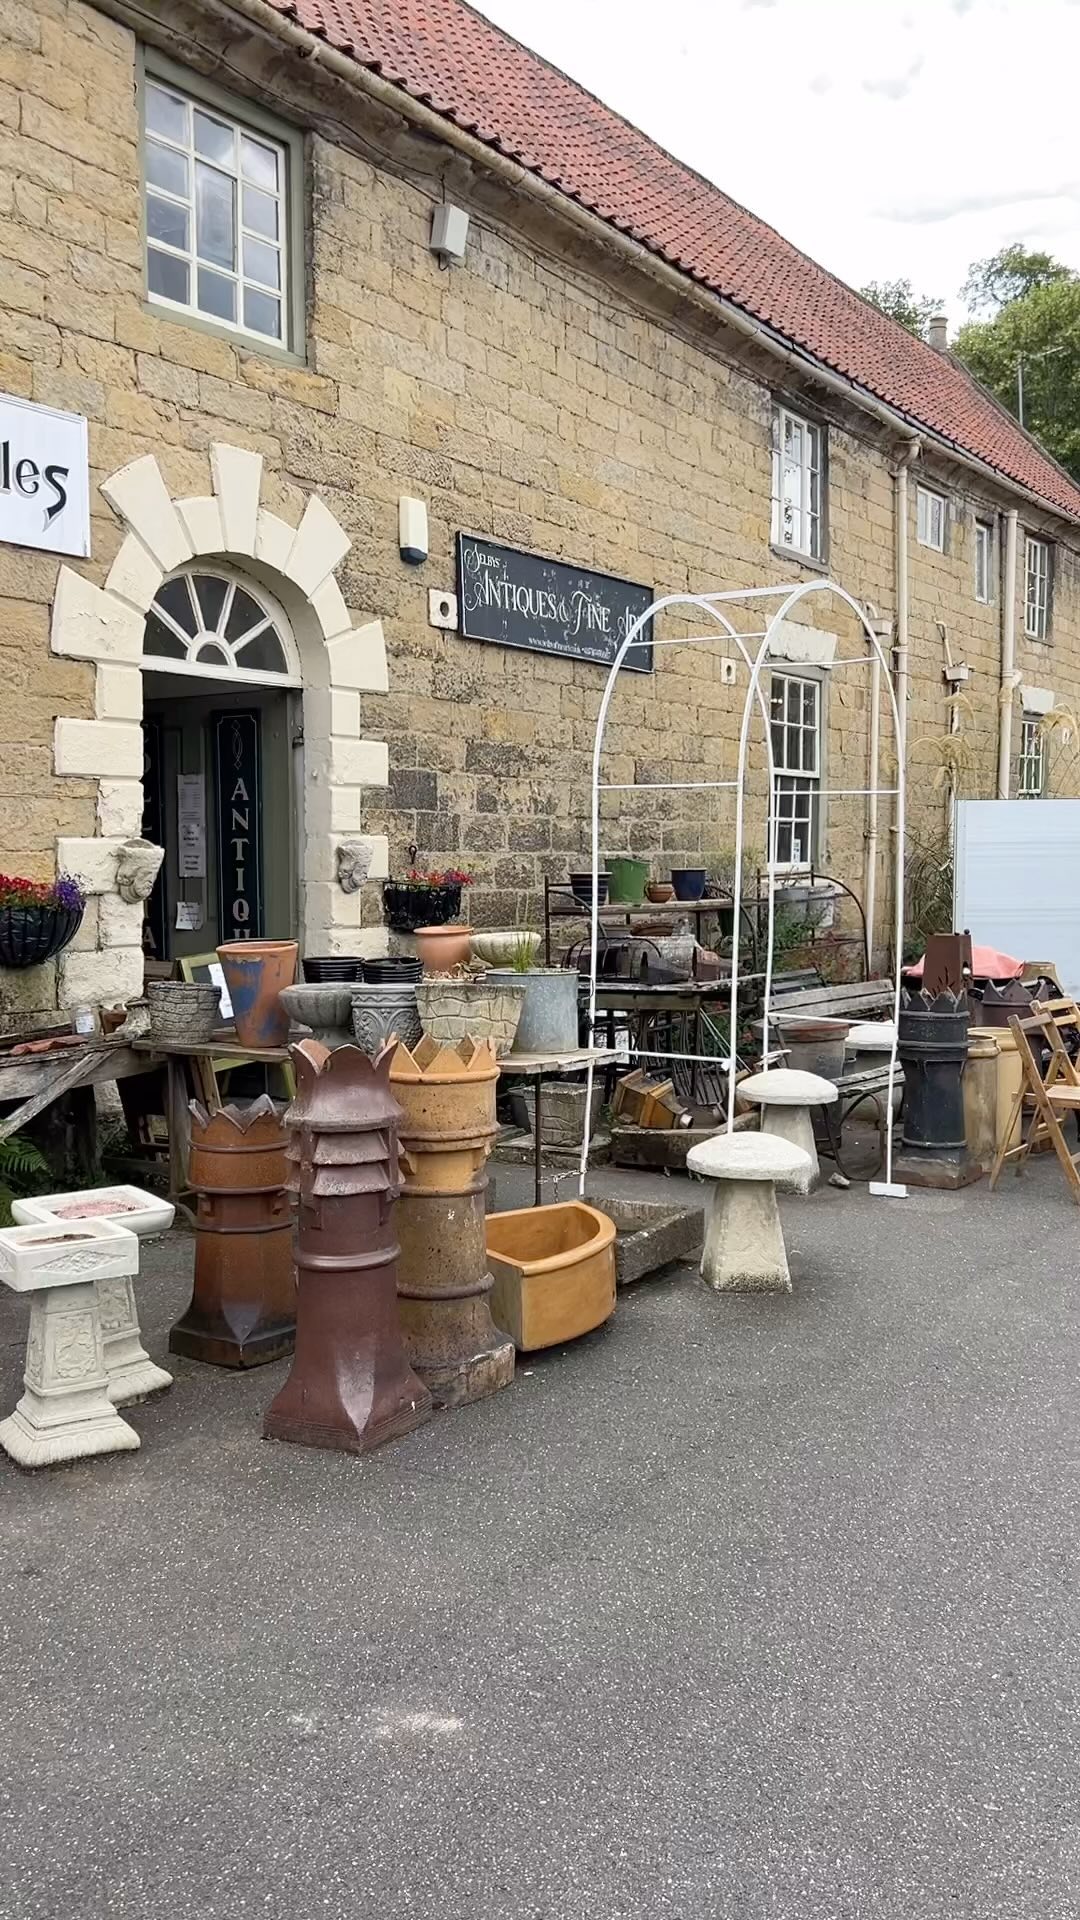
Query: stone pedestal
{"type": "Point", "coordinates": [243, 1304]}
{"type": "Point", "coordinates": [744, 1249]}
{"type": "Point", "coordinates": [65, 1412]}
{"type": "Point", "coordinates": [132, 1375]}
{"type": "Point", "coordinates": [351, 1386]}
{"type": "Point", "coordinates": [444, 1284]}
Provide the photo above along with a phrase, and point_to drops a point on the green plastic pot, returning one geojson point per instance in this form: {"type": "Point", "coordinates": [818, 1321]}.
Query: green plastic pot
{"type": "Point", "coordinates": [626, 886]}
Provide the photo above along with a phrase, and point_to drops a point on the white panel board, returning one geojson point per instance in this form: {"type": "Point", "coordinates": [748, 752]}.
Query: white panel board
{"type": "Point", "coordinates": [1018, 879]}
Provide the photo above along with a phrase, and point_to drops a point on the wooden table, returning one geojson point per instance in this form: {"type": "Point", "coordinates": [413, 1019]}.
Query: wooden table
{"type": "Point", "coordinates": [539, 1067]}
{"type": "Point", "coordinates": [198, 1058]}
{"type": "Point", "coordinates": [35, 1080]}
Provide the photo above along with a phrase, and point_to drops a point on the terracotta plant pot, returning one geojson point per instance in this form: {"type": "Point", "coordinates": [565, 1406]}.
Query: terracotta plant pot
{"type": "Point", "coordinates": [256, 971]}
{"type": "Point", "coordinates": [659, 892]}
{"type": "Point", "coordinates": [441, 949]}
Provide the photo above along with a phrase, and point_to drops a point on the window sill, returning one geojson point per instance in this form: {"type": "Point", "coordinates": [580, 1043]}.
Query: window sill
{"type": "Point", "coordinates": [799, 559]}
{"type": "Point", "coordinates": [243, 342]}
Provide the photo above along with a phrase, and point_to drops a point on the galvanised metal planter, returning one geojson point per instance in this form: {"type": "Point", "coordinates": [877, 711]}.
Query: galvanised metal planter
{"type": "Point", "coordinates": [549, 1017]}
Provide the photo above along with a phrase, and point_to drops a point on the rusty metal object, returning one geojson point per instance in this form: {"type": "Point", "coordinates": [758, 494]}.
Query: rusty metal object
{"type": "Point", "coordinates": [243, 1307]}
{"type": "Point", "coordinates": [351, 1385]}
{"type": "Point", "coordinates": [448, 1097]}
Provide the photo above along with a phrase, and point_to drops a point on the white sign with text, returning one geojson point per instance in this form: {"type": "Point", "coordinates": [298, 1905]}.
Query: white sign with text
{"type": "Point", "coordinates": [44, 478]}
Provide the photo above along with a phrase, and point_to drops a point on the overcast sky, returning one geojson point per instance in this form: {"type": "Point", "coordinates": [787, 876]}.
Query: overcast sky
{"type": "Point", "coordinates": [890, 139]}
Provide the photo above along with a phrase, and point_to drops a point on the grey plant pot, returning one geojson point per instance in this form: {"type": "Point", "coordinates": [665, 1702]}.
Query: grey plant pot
{"type": "Point", "coordinates": [325, 1008]}
{"type": "Point", "coordinates": [183, 1012]}
{"type": "Point", "coordinates": [379, 1011]}
{"type": "Point", "coordinates": [549, 1018]}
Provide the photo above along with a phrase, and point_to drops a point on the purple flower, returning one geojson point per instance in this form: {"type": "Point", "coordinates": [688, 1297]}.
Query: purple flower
{"type": "Point", "coordinates": [68, 894]}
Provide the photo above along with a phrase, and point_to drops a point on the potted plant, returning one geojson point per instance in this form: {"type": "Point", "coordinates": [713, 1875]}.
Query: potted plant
{"type": "Point", "coordinates": [549, 1015]}
{"type": "Point", "coordinates": [38, 918]}
{"type": "Point", "coordinates": [423, 899]}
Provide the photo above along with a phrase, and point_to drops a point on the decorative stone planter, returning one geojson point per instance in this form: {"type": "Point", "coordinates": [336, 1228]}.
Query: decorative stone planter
{"type": "Point", "coordinates": [448, 1099]}
{"type": "Point", "coordinates": [183, 1012]}
{"type": "Point", "coordinates": [243, 1305]}
{"type": "Point", "coordinates": [498, 949]}
{"type": "Point", "coordinates": [379, 1011]}
{"type": "Point", "coordinates": [324, 1009]}
{"type": "Point", "coordinates": [256, 972]}
{"type": "Point", "coordinates": [129, 1370]}
{"type": "Point", "coordinates": [562, 1112]}
{"type": "Point", "coordinates": [454, 1009]}
{"type": "Point", "coordinates": [554, 1270]}
{"type": "Point", "coordinates": [65, 1412]}
{"type": "Point", "coordinates": [351, 1386]}
{"type": "Point", "coordinates": [549, 1017]}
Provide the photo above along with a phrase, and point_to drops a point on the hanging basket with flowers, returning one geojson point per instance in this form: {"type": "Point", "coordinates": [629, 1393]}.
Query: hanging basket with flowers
{"type": "Point", "coordinates": [423, 899]}
{"type": "Point", "coordinates": [38, 918]}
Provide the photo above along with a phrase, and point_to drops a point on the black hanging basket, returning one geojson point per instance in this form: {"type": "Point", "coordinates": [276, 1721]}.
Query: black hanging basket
{"type": "Point", "coordinates": [30, 935]}
{"type": "Point", "coordinates": [405, 908]}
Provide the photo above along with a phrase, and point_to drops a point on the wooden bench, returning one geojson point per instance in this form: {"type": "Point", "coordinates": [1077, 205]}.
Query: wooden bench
{"type": "Point", "coordinates": [853, 1000]}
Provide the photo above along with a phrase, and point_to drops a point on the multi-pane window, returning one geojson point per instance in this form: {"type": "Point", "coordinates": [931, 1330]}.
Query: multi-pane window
{"type": "Point", "coordinates": [1031, 780]}
{"type": "Point", "coordinates": [795, 716]}
{"type": "Point", "coordinates": [984, 560]}
{"type": "Point", "coordinates": [930, 521]}
{"type": "Point", "coordinates": [797, 477]}
{"type": "Point", "coordinates": [215, 215]}
{"type": "Point", "coordinates": [1036, 589]}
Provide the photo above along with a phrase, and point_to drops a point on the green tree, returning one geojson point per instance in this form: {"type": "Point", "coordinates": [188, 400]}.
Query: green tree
{"type": "Point", "coordinates": [899, 300]}
{"type": "Point", "coordinates": [1028, 352]}
{"type": "Point", "coordinates": [1008, 276]}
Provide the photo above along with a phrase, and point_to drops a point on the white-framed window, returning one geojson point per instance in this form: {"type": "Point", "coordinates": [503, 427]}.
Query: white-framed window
{"type": "Point", "coordinates": [1036, 588]}
{"type": "Point", "coordinates": [216, 624]}
{"type": "Point", "coordinates": [216, 207]}
{"type": "Point", "coordinates": [795, 721]}
{"type": "Point", "coordinates": [1031, 773]}
{"type": "Point", "coordinates": [931, 510]}
{"type": "Point", "coordinates": [984, 561]}
{"type": "Point", "coordinates": [798, 454]}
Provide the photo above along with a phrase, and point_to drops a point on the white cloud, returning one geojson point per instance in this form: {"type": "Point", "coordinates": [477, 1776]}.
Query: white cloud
{"type": "Point", "coordinates": [883, 139]}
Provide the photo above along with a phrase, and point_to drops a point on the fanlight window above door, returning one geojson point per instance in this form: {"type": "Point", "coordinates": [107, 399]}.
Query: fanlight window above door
{"type": "Point", "coordinates": [213, 625]}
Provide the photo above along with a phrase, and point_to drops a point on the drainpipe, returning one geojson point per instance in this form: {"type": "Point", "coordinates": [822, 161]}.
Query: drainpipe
{"type": "Point", "coordinates": [883, 630]}
{"type": "Point", "coordinates": [900, 653]}
{"type": "Point", "coordinates": [1008, 659]}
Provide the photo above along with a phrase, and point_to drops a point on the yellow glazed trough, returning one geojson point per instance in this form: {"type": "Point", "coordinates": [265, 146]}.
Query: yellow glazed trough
{"type": "Point", "coordinates": [554, 1271]}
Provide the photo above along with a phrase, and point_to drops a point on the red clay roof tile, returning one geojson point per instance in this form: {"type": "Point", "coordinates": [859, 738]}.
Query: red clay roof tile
{"type": "Point", "coordinates": [473, 74]}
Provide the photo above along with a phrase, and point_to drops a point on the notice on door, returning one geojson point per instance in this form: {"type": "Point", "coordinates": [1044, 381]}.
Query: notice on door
{"type": "Point", "coordinates": [44, 478]}
{"type": "Point", "coordinates": [238, 768]}
{"type": "Point", "coordinates": [191, 826]}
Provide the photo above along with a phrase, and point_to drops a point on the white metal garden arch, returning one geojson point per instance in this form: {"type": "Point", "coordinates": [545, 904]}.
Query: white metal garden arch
{"type": "Point", "coordinates": [724, 629]}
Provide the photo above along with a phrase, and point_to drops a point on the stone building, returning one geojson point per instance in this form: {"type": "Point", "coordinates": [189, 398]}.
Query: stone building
{"type": "Point", "coordinates": [231, 243]}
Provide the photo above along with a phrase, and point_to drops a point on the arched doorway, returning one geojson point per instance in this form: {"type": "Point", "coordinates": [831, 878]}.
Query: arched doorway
{"type": "Point", "coordinates": [221, 713]}
{"type": "Point", "coordinates": [190, 654]}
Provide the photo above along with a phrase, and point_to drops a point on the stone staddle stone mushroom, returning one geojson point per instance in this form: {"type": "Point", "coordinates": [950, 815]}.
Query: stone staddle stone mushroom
{"type": "Point", "coordinates": [744, 1248]}
{"type": "Point", "coordinates": [786, 1096]}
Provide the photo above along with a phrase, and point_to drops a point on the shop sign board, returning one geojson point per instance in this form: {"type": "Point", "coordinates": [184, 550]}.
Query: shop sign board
{"type": "Point", "coordinates": [515, 599]}
{"type": "Point", "coordinates": [238, 757]}
{"type": "Point", "coordinates": [44, 478]}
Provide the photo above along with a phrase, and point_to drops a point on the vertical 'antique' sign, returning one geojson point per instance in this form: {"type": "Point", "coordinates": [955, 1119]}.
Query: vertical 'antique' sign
{"type": "Point", "coordinates": [238, 765]}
